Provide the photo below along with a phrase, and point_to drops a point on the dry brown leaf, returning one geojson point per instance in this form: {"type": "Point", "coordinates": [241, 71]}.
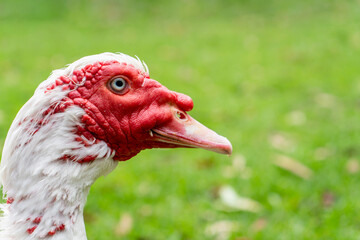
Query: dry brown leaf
{"type": "Point", "coordinates": [293, 166]}
{"type": "Point", "coordinates": [352, 166]}
{"type": "Point", "coordinates": [322, 153]}
{"type": "Point", "coordinates": [145, 210]}
{"type": "Point", "coordinates": [259, 225]}
{"type": "Point", "coordinates": [239, 162]}
{"type": "Point", "coordinates": [296, 118]}
{"type": "Point", "coordinates": [281, 142]}
{"type": "Point", "coordinates": [143, 189]}
{"type": "Point", "coordinates": [220, 230]}
{"type": "Point", "coordinates": [325, 100]}
{"type": "Point", "coordinates": [328, 199]}
{"type": "Point", "coordinates": [124, 225]}
{"type": "Point", "coordinates": [238, 168]}
{"type": "Point", "coordinates": [231, 199]}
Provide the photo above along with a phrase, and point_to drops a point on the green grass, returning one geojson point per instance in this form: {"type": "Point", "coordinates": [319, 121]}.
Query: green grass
{"type": "Point", "coordinates": [248, 65]}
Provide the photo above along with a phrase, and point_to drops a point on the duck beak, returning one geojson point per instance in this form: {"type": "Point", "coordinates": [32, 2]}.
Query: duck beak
{"type": "Point", "coordinates": [185, 131]}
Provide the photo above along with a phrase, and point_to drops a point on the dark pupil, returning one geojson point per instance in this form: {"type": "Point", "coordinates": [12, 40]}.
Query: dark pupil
{"type": "Point", "coordinates": [119, 83]}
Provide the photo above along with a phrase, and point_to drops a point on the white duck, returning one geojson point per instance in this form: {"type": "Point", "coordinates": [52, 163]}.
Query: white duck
{"type": "Point", "coordinates": [78, 124]}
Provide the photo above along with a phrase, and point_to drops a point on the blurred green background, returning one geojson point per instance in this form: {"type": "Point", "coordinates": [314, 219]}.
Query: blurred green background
{"type": "Point", "coordinates": [279, 78]}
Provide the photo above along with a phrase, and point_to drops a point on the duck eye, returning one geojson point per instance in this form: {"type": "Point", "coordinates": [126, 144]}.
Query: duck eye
{"type": "Point", "coordinates": [118, 85]}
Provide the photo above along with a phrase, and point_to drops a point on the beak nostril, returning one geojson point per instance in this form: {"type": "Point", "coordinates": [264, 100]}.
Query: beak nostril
{"type": "Point", "coordinates": [181, 115]}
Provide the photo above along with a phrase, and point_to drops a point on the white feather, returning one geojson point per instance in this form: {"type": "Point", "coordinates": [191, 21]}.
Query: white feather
{"type": "Point", "coordinates": [32, 173]}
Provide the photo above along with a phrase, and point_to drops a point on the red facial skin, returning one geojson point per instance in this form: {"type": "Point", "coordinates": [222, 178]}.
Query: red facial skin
{"type": "Point", "coordinates": [146, 115]}
{"type": "Point", "coordinates": [123, 121]}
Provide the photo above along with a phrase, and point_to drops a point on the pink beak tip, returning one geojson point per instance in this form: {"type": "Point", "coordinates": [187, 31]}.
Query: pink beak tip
{"type": "Point", "coordinates": [225, 147]}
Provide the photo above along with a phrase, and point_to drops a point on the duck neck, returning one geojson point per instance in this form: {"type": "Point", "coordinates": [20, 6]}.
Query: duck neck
{"type": "Point", "coordinates": [46, 192]}
{"type": "Point", "coordinates": [51, 204]}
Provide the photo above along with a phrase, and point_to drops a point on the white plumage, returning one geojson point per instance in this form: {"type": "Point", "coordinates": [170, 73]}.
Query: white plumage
{"type": "Point", "coordinates": [31, 173]}
{"type": "Point", "coordinates": [47, 194]}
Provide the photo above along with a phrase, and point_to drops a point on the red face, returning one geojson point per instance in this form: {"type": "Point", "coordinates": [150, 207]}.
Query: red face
{"type": "Point", "coordinates": [131, 112]}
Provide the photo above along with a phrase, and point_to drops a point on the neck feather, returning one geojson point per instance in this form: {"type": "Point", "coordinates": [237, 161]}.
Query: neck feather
{"type": "Point", "coordinates": [46, 193]}
{"type": "Point", "coordinates": [53, 207]}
